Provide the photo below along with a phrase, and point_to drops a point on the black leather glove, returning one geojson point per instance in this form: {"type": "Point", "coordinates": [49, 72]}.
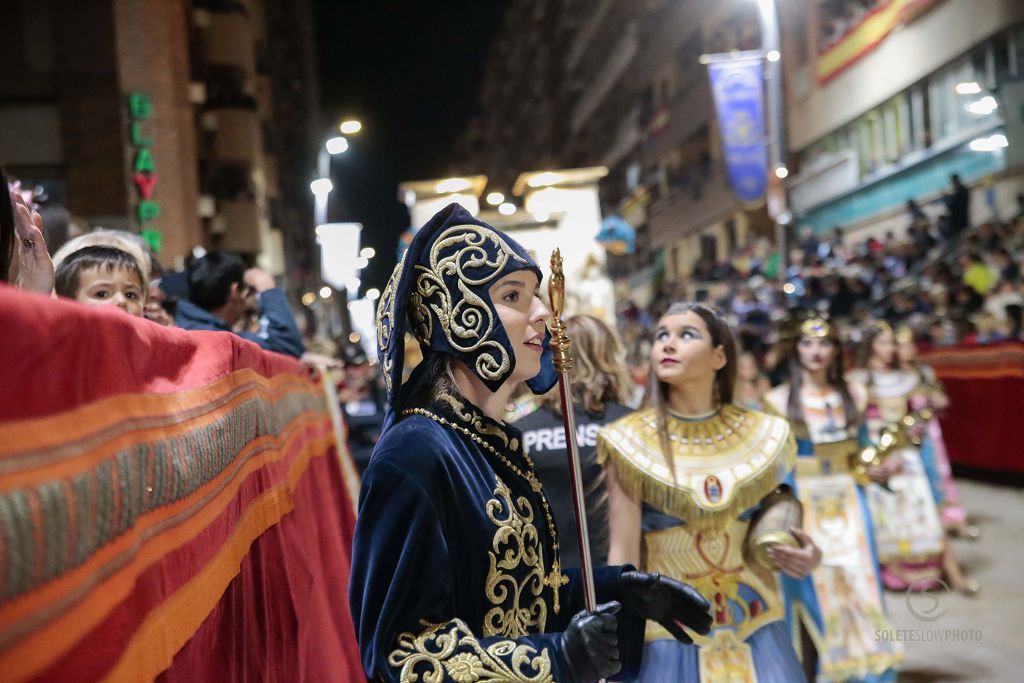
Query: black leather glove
{"type": "Point", "coordinates": [671, 603]}
{"type": "Point", "coordinates": [590, 645]}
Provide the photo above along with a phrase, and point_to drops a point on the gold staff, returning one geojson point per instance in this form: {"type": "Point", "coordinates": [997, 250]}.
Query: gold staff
{"type": "Point", "coordinates": [561, 347]}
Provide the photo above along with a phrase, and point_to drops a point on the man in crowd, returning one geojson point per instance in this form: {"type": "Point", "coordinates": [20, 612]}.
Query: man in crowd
{"type": "Point", "coordinates": [221, 290]}
{"type": "Point", "coordinates": [362, 399]}
{"type": "Point", "coordinates": [958, 207]}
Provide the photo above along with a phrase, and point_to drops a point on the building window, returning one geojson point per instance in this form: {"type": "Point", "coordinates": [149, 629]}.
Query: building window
{"type": "Point", "coordinates": [951, 103]}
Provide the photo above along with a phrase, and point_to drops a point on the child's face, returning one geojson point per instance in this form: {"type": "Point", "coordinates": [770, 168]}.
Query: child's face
{"type": "Point", "coordinates": [120, 287]}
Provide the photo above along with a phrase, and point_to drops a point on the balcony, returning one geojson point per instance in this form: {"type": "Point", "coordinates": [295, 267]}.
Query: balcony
{"type": "Point", "coordinates": [587, 32]}
{"type": "Point", "coordinates": [703, 199]}
{"type": "Point", "coordinates": [607, 76]}
{"type": "Point", "coordinates": [230, 41]}
{"type": "Point", "coordinates": [238, 136]}
{"type": "Point", "coordinates": [688, 112]}
{"type": "Point", "coordinates": [238, 223]}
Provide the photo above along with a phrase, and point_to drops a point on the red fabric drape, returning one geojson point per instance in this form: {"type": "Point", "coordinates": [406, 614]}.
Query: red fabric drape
{"type": "Point", "coordinates": [172, 505]}
{"type": "Point", "coordinates": [985, 383]}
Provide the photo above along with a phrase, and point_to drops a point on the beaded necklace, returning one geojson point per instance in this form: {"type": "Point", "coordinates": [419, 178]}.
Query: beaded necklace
{"type": "Point", "coordinates": [555, 578]}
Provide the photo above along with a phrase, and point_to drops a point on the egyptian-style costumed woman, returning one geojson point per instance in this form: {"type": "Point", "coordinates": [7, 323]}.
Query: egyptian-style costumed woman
{"type": "Point", "coordinates": [930, 394]}
{"type": "Point", "coordinates": [836, 612]}
{"type": "Point", "coordinates": [688, 477]}
{"type": "Point", "coordinates": [908, 534]}
{"type": "Point", "coordinates": [456, 574]}
{"type": "Point", "coordinates": [927, 399]}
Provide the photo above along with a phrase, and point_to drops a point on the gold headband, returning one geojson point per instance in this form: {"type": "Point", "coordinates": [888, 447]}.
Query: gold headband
{"type": "Point", "coordinates": [816, 328]}
{"type": "Point", "coordinates": [882, 326]}
{"type": "Point", "coordinates": [904, 334]}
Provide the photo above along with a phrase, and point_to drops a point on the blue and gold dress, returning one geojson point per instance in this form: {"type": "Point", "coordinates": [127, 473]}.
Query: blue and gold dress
{"type": "Point", "coordinates": [840, 604]}
{"type": "Point", "coordinates": [455, 571]}
{"type": "Point", "coordinates": [695, 520]}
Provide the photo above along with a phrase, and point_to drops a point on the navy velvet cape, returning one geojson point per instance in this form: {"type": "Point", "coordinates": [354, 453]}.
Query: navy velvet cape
{"type": "Point", "coordinates": [451, 549]}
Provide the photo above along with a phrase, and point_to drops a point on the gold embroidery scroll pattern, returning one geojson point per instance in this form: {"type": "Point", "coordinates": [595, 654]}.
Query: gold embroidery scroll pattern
{"type": "Point", "coordinates": [467, 325]}
{"type": "Point", "coordinates": [450, 650]}
{"type": "Point", "coordinates": [386, 321]}
{"type": "Point", "coordinates": [476, 422]}
{"type": "Point", "coordinates": [516, 544]}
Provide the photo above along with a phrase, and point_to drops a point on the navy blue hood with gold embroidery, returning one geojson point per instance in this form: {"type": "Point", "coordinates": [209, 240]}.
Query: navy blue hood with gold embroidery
{"type": "Point", "coordinates": [439, 292]}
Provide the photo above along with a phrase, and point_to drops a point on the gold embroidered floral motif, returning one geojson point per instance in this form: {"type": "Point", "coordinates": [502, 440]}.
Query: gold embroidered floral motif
{"type": "Point", "coordinates": [468, 324]}
{"type": "Point", "coordinates": [519, 606]}
{"type": "Point", "coordinates": [451, 649]}
{"type": "Point", "coordinates": [476, 422]}
{"type": "Point", "coordinates": [464, 668]}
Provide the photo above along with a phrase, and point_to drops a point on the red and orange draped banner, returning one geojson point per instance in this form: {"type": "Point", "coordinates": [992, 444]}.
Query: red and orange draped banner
{"type": "Point", "coordinates": [983, 427]}
{"type": "Point", "coordinates": [172, 504]}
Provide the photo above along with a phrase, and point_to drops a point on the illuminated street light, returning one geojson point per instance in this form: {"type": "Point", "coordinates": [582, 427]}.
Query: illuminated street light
{"type": "Point", "coordinates": [350, 127]}
{"type": "Point", "coordinates": [336, 145]}
{"type": "Point", "coordinates": [983, 107]}
{"type": "Point", "coordinates": [507, 209]}
{"type": "Point", "coordinates": [321, 187]}
{"type": "Point", "coordinates": [495, 198]}
{"type": "Point", "coordinates": [989, 144]}
{"type": "Point", "coordinates": [373, 294]}
{"type": "Point", "coordinates": [544, 179]}
{"type": "Point", "coordinates": [781, 172]}
{"type": "Point", "coordinates": [354, 337]}
{"type": "Point", "coordinates": [325, 292]}
{"type": "Point", "coordinates": [368, 252]}
{"type": "Point", "coordinates": [968, 88]}
{"type": "Point", "coordinates": [361, 262]}
{"type": "Point", "coordinates": [773, 56]}
{"type": "Point", "coordinates": [450, 185]}
{"type": "Point", "coordinates": [308, 298]}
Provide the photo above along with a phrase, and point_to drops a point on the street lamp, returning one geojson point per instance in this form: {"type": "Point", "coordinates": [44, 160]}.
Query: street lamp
{"type": "Point", "coordinates": [322, 186]}
{"type": "Point", "coordinates": [770, 43]}
{"type": "Point", "coordinates": [336, 145]}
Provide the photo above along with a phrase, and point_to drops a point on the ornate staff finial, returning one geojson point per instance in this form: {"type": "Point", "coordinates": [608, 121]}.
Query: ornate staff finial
{"type": "Point", "coordinates": [561, 345]}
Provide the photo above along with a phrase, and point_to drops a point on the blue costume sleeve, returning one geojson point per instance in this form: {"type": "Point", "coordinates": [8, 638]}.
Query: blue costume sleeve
{"type": "Point", "coordinates": [278, 331]}
{"type": "Point", "coordinates": [403, 603]}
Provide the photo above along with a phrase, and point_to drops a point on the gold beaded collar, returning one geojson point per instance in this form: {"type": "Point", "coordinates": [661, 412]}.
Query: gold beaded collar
{"type": "Point", "coordinates": [723, 465]}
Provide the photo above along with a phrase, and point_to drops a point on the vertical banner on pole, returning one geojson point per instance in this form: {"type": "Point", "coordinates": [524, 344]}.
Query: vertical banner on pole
{"type": "Point", "coordinates": [738, 88]}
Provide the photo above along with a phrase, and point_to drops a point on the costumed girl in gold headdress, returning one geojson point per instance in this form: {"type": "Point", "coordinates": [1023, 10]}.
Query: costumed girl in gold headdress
{"type": "Point", "coordinates": [909, 537]}
{"type": "Point", "coordinates": [839, 606]}
{"type": "Point", "coordinates": [925, 401]}
{"type": "Point", "coordinates": [685, 478]}
{"type": "Point", "coordinates": [930, 394]}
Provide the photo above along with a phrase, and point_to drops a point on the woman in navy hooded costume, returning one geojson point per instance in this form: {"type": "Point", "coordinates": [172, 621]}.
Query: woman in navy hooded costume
{"type": "Point", "coordinates": [456, 574]}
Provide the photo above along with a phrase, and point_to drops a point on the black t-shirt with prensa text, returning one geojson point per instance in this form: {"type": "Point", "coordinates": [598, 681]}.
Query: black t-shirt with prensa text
{"type": "Point", "coordinates": [544, 441]}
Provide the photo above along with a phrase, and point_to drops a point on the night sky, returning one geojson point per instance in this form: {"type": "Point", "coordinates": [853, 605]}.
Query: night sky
{"type": "Point", "coordinates": [410, 70]}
